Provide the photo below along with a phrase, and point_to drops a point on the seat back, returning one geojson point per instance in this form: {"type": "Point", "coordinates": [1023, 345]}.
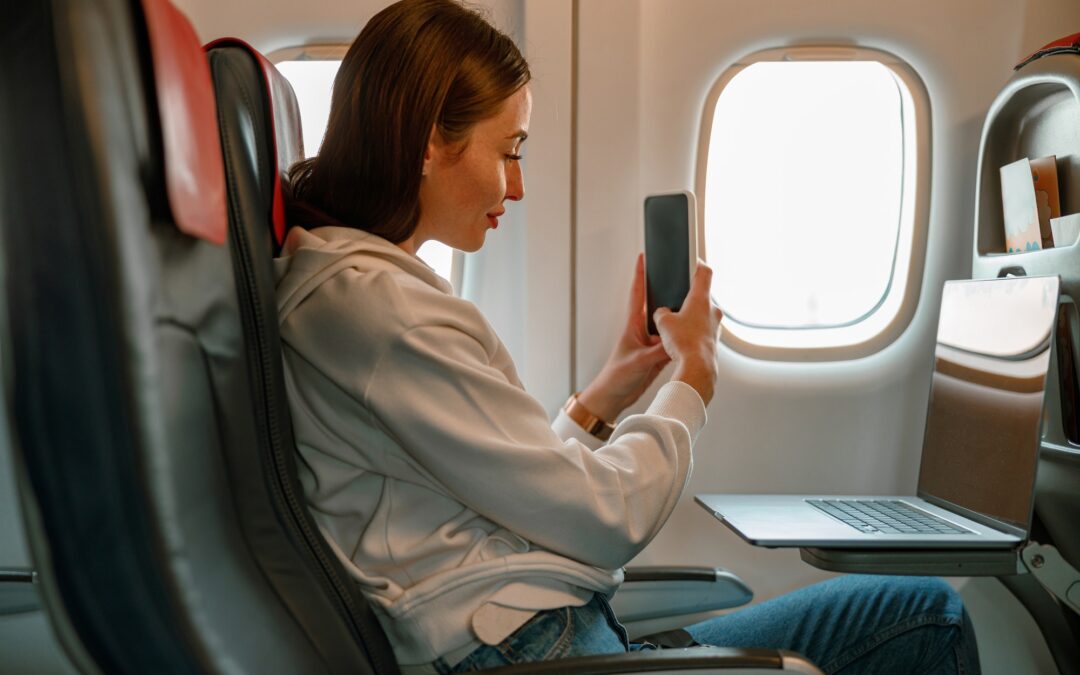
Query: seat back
{"type": "Point", "coordinates": [1035, 116]}
{"type": "Point", "coordinates": [131, 389]}
{"type": "Point", "coordinates": [260, 130]}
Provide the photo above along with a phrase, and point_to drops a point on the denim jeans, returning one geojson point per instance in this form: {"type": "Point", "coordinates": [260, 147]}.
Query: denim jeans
{"type": "Point", "coordinates": [852, 624]}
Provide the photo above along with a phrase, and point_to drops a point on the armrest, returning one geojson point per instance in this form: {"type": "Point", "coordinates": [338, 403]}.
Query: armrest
{"type": "Point", "coordinates": [696, 660]}
{"type": "Point", "coordinates": [672, 573]}
{"type": "Point", "coordinates": [653, 592]}
{"type": "Point", "coordinates": [18, 592]}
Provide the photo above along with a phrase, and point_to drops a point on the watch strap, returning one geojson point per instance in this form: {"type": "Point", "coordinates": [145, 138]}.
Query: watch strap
{"type": "Point", "coordinates": [585, 419]}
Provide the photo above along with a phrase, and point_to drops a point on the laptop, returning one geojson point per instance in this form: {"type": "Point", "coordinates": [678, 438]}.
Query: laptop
{"type": "Point", "coordinates": [981, 447]}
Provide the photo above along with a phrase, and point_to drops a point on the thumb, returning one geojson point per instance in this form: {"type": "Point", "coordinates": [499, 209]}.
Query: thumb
{"type": "Point", "coordinates": [660, 313]}
{"type": "Point", "coordinates": [650, 357]}
{"type": "Point", "coordinates": [657, 353]}
{"type": "Point", "coordinates": [653, 352]}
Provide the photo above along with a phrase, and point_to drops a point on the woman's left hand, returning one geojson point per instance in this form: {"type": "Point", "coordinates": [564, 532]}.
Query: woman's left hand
{"type": "Point", "coordinates": [633, 364]}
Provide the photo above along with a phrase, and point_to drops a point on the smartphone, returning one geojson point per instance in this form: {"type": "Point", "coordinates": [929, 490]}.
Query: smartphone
{"type": "Point", "coordinates": [670, 250]}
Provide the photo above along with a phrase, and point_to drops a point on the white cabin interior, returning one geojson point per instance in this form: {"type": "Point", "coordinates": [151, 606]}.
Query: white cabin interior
{"type": "Point", "coordinates": [620, 94]}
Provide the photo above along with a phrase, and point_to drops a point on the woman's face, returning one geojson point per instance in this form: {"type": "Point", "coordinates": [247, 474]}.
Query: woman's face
{"type": "Point", "coordinates": [464, 186]}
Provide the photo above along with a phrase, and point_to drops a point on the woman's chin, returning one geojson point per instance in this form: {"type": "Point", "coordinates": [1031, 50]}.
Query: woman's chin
{"type": "Point", "coordinates": [473, 244]}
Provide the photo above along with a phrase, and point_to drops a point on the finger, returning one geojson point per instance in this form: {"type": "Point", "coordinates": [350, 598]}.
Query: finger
{"type": "Point", "coordinates": [637, 288]}
{"type": "Point", "coordinates": [701, 285]}
{"type": "Point", "coordinates": [654, 354]}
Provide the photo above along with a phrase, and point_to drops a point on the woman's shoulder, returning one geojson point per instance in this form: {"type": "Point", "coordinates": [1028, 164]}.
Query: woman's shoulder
{"type": "Point", "coordinates": [349, 281]}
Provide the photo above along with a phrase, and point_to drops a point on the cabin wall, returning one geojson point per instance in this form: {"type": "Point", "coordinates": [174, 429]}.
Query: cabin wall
{"type": "Point", "coordinates": [843, 427]}
{"type": "Point", "coordinates": [853, 426]}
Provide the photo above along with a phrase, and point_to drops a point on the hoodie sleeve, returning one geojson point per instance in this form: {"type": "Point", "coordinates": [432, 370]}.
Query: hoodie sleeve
{"type": "Point", "coordinates": [566, 429]}
{"type": "Point", "coordinates": [489, 443]}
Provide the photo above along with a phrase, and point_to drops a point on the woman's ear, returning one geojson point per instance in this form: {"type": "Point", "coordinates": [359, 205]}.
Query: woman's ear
{"type": "Point", "coordinates": [431, 152]}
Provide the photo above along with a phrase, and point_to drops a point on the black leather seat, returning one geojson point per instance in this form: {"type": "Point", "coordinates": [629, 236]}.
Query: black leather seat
{"type": "Point", "coordinates": [154, 520]}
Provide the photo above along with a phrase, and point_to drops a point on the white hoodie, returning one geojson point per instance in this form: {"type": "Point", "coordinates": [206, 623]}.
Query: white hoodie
{"type": "Point", "coordinates": [433, 474]}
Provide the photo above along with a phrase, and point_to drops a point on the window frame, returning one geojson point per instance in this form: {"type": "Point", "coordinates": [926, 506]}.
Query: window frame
{"type": "Point", "coordinates": [336, 52]}
{"type": "Point", "coordinates": [892, 314]}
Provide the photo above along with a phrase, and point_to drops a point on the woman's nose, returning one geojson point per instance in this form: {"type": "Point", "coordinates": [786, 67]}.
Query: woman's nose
{"type": "Point", "coordinates": [515, 182]}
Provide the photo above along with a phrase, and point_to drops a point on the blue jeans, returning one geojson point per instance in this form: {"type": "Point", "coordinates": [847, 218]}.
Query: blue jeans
{"type": "Point", "coordinates": [851, 624]}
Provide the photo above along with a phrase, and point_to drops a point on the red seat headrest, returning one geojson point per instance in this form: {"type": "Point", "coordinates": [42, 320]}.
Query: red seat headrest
{"type": "Point", "coordinates": [194, 169]}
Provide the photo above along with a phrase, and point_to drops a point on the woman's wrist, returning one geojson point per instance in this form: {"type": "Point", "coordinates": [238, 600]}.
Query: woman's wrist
{"type": "Point", "coordinates": [599, 402]}
{"type": "Point", "coordinates": [699, 373]}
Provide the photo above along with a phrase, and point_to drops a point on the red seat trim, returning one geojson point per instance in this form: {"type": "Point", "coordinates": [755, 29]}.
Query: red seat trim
{"type": "Point", "coordinates": [286, 132]}
{"type": "Point", "coordinates": [194, 168]}
{"type": "Point", "coordinates": [1066, 45]}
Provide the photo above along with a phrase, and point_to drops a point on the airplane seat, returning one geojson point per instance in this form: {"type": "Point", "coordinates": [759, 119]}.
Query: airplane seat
{"type": "Point", "coordinates": [260, 133]}
{"type": "Point", "coordinates": [259, 123]}
{"type": "Point", "coordinates": [1035, 115]}
{"type": "Point", "coordinates": [127, 378]}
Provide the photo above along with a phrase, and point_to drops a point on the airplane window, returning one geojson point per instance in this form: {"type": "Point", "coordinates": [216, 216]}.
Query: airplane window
{"type": "Point", "coordinates": [311, 72]}
{"type": "Point", "coordinates": [809, 196]}
{"type": "Point", "coordinates": [312, 82]}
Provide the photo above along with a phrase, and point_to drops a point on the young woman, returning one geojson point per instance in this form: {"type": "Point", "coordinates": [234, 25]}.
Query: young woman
{"type": "Point", "coordinates": [482, 533]}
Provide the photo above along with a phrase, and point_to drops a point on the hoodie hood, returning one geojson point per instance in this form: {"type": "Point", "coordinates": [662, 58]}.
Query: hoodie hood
{"type": "Point", "coordinates": [310, 257]}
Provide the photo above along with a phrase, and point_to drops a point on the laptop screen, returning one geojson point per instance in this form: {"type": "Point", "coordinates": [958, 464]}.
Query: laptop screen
{"type": "Point", "coordinates": [986, 398]}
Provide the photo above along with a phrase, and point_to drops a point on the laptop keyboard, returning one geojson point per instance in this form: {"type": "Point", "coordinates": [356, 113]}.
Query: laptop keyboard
{"type": "Point", "coordinates": [887, 516]}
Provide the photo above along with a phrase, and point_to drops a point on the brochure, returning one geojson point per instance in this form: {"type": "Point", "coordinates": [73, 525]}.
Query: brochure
{"type": "Point", "coordinates": [1044, 175]}
{"type": "Point", "coordinates": [1019, 208]}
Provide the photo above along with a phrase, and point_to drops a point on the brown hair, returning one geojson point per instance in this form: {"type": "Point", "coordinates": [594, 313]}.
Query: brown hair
{"type": "Point", "coordinates": [417, 65]}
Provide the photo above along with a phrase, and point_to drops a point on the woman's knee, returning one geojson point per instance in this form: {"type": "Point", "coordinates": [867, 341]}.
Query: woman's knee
{"type": "Point", "coordinates": [905, 620]}
{"type": "Point", "coordinates": [903, 595]}
{"type": "Point", "coordinates": [928, 595]}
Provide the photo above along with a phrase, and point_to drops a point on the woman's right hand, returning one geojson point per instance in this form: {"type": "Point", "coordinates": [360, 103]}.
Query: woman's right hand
{"type": "Point", "coordinates": [689, 335]}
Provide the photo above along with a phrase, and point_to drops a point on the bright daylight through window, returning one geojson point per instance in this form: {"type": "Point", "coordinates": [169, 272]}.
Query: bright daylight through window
{"type": "Point", "coordinates": [805, 197]}
{"type": "Point", "coordinates": [313, 80]}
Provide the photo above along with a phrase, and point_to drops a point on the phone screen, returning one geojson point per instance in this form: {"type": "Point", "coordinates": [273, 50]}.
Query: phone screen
{"type": "Point", "coordinates": [667, 252]}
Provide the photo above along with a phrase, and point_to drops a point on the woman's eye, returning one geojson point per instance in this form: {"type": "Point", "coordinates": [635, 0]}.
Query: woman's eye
{"type": "Point", "coordinates": [513, 158]}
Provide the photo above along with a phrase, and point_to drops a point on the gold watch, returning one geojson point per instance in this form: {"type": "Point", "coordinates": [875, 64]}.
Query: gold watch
{"type": "Point", "coordinates": [585, 419]}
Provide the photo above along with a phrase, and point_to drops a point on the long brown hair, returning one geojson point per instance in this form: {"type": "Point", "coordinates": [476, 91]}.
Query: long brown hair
{"type": "Point", "coordinates": [417, 65]}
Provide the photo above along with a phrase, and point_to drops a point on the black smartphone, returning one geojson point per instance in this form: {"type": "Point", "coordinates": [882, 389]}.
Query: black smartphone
{"type": "Point", "coordinates": [670, 250]}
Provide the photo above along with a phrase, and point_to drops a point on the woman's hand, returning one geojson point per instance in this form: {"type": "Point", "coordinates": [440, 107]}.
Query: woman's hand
{"type": "Point", "coordinates": [633, 364]}
{"type": "Point", "coordinates": [689, 335]}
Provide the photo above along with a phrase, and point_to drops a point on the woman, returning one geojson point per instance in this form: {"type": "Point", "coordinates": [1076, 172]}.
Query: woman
{"type": "Point", "coordinates": [480, 532]}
